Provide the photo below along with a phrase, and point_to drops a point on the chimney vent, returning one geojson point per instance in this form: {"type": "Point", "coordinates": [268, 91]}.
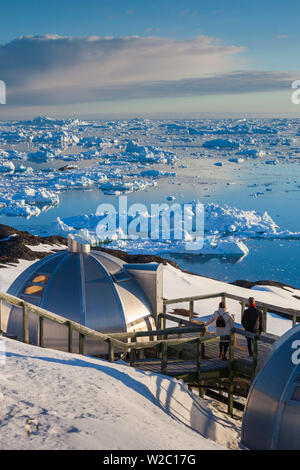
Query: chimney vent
{"type": "Point", "coordinates": [75, 245]}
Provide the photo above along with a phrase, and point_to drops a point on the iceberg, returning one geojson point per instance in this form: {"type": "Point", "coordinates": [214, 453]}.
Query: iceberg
{"type": "Point", "coordinates": [221, 144]}
{"type": "Point", "coordinates": [6, 166]}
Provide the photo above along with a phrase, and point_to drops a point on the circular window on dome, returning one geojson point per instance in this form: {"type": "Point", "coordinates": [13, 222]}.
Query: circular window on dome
{"type": "Point", "coordinates": [34, 290]}
{"type": "Point", "coordinates": [41, 279]}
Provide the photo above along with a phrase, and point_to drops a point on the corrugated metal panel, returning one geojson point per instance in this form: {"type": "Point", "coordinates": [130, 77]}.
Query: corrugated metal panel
{"type": "Point", "coordinates": [271, 418]}
{"type": "Point", "coordinates": [92, 289]}
{"type": "Point", "coordinates": [104, 309]}
{"type": "Point", "coordinates": [63, 292]}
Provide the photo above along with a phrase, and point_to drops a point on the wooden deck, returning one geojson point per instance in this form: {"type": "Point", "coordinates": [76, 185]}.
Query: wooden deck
{"type": "Point", "coordinates": [211, 366]}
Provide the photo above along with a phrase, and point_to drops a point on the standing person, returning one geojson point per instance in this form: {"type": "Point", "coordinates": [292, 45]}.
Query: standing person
{"type": "Point", "coordinates": [224, 324]}
{"type": "Point", "coordinates": [252, 322]}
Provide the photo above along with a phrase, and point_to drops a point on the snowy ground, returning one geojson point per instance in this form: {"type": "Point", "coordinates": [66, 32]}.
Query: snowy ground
{"type": "Point", "coordinates": [85, 403]}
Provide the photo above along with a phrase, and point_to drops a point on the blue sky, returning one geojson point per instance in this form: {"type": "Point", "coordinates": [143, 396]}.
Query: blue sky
{"type": "Point", "coordinates": [252, 35]}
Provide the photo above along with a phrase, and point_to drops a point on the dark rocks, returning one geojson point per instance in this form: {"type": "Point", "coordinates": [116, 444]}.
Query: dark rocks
{"type": "Point", "coordinates": [128, 258]}
{"type": "Point", "coordinates": [14, 245]}
{"type": "Point", "coordinates": [250, 284]}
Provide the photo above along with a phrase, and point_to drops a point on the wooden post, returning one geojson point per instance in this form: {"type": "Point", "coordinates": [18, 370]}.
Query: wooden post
{"type": "Point", "coordinates": [164, 358]}
{"type": "Point", "coordinates": [25, 324]}
{"type": "Point", "coordinates": [81, 344]}
{"type": "Point", "coordinates": [142, 353]}
{"type": "Point", "coordinates": [294, 321]}
{"type": "Point", "coordinates": [191, 310]}
{"type": "Point", "coordinates": [179, 348]}
{"type": "Point", "coordinates": [70, 337]}
{"type": "Point", "coordinates": [164, 320]}
{"type": "Point", "coordinates": [265, 314]}
{"type": "Point", "coordinates": [111, 351]}
{"type": "Point", "coordinates": [132, 357]}
{"type": "Point", "coordinates": [243, 306]}
{"type": "Point", "coordinates": [159, 322]}
{"type": "Point", "coordinates": [199, 358]}
{"type": "Point", "coordinates": [231, 374]}
{"type": "Point", "coordinates": [255, 353]}
{"type": "Point", "coordinates": [223, 299]}
{"type": "Point", "coordinates": [41, 332]}
{"type": "Point", "coordinates": [202, 333]}
{"type": "Point", "coordinates": [201, 389]}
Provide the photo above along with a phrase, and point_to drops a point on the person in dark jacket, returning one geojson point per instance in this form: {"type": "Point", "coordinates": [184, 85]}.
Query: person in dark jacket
{"type": "Point", "coordinates": [252, 322]}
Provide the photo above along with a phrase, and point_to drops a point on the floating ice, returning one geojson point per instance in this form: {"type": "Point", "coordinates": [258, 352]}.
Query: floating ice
{"type": "Point", "coordinates": [37, 196]}
{"type": "Point", "coordinates": [226, 228]}
{"type": "Point", "coordinates": [21, 209]}
{"type": "Point", "coordinates": [252, 153]}
{"type": "Point", "coordinates": [6, 167]}
{"type": "Point", "coordinates": [221, 144]}
{"type": "Point", "coordinates": [236, 160]}
{"type": "Point", "coordinates": [156, 173]}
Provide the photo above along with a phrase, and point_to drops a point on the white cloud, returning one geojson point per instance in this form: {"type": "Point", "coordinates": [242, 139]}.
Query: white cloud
{"type": "Point", "coordinates": [56, 70]}
{"type": "Point", "coordinates": [50, 63]}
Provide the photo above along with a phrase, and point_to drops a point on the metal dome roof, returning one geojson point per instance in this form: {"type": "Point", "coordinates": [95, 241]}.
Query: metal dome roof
{"type": "Point", "coordinates": [272, 415]}
{"type": "Point", "coordinates": [92, 288]}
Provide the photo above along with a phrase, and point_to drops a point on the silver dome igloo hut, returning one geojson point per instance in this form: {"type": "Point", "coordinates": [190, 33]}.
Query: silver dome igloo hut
{"type": "Point", "coordinates": [272, 416]}
{"type": "Point", "coordinates": [92, 288]}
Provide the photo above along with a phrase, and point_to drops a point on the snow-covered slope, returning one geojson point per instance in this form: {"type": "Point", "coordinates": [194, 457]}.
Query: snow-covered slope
{"type": "Point", "coordinates": [85, 403]}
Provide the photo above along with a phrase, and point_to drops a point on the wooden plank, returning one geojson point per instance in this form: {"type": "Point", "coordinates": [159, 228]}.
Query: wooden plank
{"type": "Point", "coordinates": [81, 344]}
{"type": "Point", "coordinates": [41, 332]}
{"type": "Point", "coordinates": [70, 338]}
{"type": "Point", "coordinates": [176, 319]}
{"type": "Point", "coordinates": [191, 310]}
{"type": "Point", "coordinates": [179, 348]}
{"type": "Point", "coordinates": [164, 358]}
{"type": "Point", "coordinates": [243, 306]}
{"type": "Point", "coordinates": [264, 319]}
{"type": "Point", "coordinates": [192, 298]}
{"type": "Point", "coordinates": [111, 351]}
{"type": "Point", "coordinates": [199, 358]}
{"type": "Point", "coordinates": [25, 323]}
{"type": "Point", "coordinates": [132, 356]}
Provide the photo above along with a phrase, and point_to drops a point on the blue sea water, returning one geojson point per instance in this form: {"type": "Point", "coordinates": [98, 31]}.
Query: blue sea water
{"type": "Point", "coordinates": [251, 185]}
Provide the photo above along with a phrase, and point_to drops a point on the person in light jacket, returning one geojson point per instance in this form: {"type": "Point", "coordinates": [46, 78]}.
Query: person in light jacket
{"type": "Point", "coordinates": [224, 325]}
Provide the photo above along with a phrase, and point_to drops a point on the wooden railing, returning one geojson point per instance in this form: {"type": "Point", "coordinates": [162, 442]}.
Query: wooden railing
{"type": "Point", "coordinates": [287, 312]}
{"type": "Point", "coordinates": [59, 320]}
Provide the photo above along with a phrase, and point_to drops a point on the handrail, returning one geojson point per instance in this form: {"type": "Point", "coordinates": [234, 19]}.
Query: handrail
{"type": "Point", "coordinates": [275, 308]}
{"type": "Point", "coordinates": [26, 306]}
{"type": "Point", "coordinates": [293, 313]}
{"type": "Point", "coordinates": [169, 331]}
{"type": "Point", "coordinates": [192, 298]}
